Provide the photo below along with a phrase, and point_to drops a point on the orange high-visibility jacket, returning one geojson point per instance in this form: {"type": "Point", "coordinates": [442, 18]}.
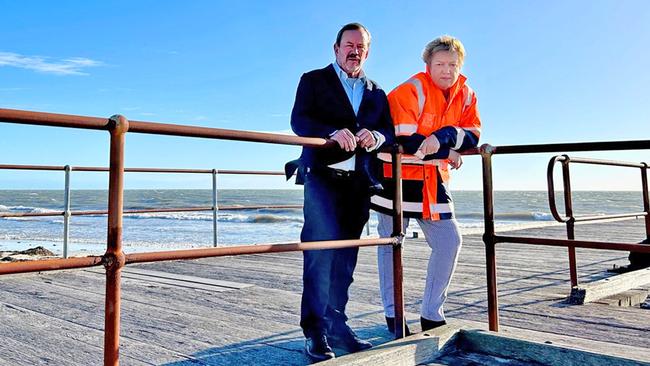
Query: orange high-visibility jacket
{"type": "Point", "coordinates": [419, 109]}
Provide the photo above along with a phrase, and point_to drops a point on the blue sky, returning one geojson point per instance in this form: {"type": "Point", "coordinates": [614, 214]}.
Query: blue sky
{"type": "Point", "coordinates": [544, 72]}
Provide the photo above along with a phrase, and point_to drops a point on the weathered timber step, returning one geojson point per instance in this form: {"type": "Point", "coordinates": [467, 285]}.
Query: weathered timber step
{"type": "Point", "coordinates": [178, 280]}
{"type": "Point", "coordinates": [458, 343]}
{"type": "Point", "coordinates": [593, 291]}
{"type": "Point", "coordinates": [633, 297]}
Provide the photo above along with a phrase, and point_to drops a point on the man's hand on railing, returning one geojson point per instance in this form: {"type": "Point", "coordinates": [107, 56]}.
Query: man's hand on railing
{"type": "Point", "coordinates": [366, 138]}
{"type": "Point", "coordinates": [346, 139]}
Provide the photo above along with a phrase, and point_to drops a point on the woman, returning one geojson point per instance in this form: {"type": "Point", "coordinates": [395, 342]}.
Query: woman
{"type": "Point", "coordinates": [435, 116]}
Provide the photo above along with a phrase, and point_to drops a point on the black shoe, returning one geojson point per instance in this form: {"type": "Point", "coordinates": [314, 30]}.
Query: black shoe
{"type": "Point", "coordinates": [391, 326]}
{"type": "Point", "coordinates": [318, 349]}
{"type": "Point", "coordinates": [345, 339]}
{"type": "Point", "coordinates": [431, 324]}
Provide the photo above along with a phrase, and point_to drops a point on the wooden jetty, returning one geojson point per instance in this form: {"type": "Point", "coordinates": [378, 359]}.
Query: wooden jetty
{"type": "Point", "coordinates": [245, 310]}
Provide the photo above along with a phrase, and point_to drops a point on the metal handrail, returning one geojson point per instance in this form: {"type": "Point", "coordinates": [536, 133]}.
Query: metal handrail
{"type": "Point", "coordinates": [138, 170]}
{"type": "Point", "coordinates": [123, 126]}
{"type": "Point", "coordinates": [571, 147]}
{"type": "Point", "coordinates": [565, 160]}
{"type": "Point", "coordinates": [569, 219]}
{"type": "Point", "coordinates": [114, 259]}
{"type": "Point", "coordinates": [491, 239]}
{"type": "Point", "coordinates": [67, 212]}
{"type": "Point", "coordinates": [83, 262]}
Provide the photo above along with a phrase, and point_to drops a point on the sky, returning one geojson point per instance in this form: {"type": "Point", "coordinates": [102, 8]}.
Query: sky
{"type": "Point", "coordinates": [543, 71]}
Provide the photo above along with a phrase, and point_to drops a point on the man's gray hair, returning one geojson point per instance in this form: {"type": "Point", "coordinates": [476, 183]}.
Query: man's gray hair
{"type": "Point", "coordinates": [351, 26]}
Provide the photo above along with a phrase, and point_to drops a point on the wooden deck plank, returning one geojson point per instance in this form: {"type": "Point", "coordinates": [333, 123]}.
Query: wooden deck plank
{"type": "Point", "coordinates": [609, 286]}
{"type": "Point", "coordinates": [165, 323]}
{"type": "Point", "coordinates": [38, 338]}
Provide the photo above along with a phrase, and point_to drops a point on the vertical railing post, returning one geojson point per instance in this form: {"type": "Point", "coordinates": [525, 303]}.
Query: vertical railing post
{"type": "Point", "coordinates": [570, 224]}
{"type": "Point", "coordinates": [489, 238]}
{"type": "Point", "coordinates": [66, 211]}
{"type": "Point", "coordinates": [646, 199]}
{"type": "Point", "coordinates": [397, 248]}
{"type": "Point", "coordinates": [114, 258]}
{"type": "Point", "coordinates": [215, 209]}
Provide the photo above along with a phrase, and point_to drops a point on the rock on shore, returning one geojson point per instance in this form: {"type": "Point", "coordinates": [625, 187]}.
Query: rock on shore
{"type": "Point", "coordinates": [26, 255]}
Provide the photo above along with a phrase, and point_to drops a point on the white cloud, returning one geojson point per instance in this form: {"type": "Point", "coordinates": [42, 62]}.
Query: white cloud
{"type": "Point", "coordinates": [70, 66]}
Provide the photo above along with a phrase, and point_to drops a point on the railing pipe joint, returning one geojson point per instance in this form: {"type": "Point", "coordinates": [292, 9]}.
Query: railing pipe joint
{"type": "Point", "coordinates": [487, 150]}
{"type": "Point", "coordinates": [118, 124]}
{"type": "Point", "coordinates": [113, 261]}
{"type": "Point", "coordinates": [399, 240]}
{"type": "Point", "coordinates": [489, 238]}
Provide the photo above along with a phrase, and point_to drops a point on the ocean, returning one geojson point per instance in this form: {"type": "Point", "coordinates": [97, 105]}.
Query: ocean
{"type": "Point", "coordinates": [164, 231]}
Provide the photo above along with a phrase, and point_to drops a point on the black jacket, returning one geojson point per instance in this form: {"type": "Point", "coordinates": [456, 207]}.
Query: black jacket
{"type": "Point", "coordinates": [322, 107]}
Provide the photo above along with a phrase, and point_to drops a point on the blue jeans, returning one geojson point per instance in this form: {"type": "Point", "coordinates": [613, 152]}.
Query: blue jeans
{"type": "Point", "coordinates": [334, 209]}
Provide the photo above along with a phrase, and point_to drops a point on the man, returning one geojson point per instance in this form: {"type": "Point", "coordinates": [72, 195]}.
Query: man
{"type": "Point", "coordinates": [435, 116]}
{"type": "Point", "coordinates": [337, 102]}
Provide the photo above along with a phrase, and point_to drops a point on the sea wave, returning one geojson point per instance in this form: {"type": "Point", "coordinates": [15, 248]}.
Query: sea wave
{"type": "Point", "coordinates": [170, 216]}
{"type": "Point", "coordinates": [509, 216]}
{"type": "Point", "coordinates": [26, 209]}
{"type": "Point", "coordinates": [474, 228]}
{"type": "Point", "coordinates": [233, 218]}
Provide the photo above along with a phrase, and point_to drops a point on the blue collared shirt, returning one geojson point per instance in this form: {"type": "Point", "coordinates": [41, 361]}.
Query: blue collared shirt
{"type": "Point", "coordinates": [353, 87]}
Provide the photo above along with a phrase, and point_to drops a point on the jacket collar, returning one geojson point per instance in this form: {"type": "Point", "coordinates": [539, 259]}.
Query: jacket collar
{"type": "Point", "coordinates": [335, 84]}
{"type": "Point", "coordinates": [458, 85]}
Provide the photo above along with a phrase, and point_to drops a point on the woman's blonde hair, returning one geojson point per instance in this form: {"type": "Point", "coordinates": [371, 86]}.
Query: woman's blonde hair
{"type": "Point", "coordinates": [444, 43]}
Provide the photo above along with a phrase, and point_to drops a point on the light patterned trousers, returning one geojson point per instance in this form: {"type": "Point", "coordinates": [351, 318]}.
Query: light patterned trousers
{"type": "Point", "coordinates": [444, 239]}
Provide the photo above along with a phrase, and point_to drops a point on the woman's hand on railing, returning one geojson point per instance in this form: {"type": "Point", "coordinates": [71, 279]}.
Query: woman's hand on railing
{"type": "Point", "coordinates": [455, 159]}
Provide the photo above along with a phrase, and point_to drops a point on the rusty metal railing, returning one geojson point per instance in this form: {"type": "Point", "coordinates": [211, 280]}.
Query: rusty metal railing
{"type": "Point", "coordinates": [114, 259]}
{"type": "Point", "coordinates": [491, 239]}
{"type": "Point", "coordinates": [67, 212]}
{"type": "Point", "coordinates": [569, 219]}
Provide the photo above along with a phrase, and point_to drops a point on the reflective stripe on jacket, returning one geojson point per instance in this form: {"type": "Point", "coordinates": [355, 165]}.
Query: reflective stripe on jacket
{"type": "Point", "coordinates": [420, 109]}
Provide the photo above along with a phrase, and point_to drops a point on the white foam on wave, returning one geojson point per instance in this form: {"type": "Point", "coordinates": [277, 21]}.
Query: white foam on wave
{"type": "Point", "coordinates": [475, 228]}
{"type": "Point", "coordinates": [27, 209]}
{"type": "Point", "coordinates": [43, 210]}
{"type": "Point", "coordinates": [172, 216]}
{"type": "Point", "coordinates": [222, 217]}
{"type": "Point", "coordinates": [542, 216]}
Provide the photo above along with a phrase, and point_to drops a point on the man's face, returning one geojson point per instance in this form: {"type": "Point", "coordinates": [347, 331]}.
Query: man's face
{"type": "Point", "coordinates": [444, 68]}
{"type": "Point", "coordinates": [352, 52]}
